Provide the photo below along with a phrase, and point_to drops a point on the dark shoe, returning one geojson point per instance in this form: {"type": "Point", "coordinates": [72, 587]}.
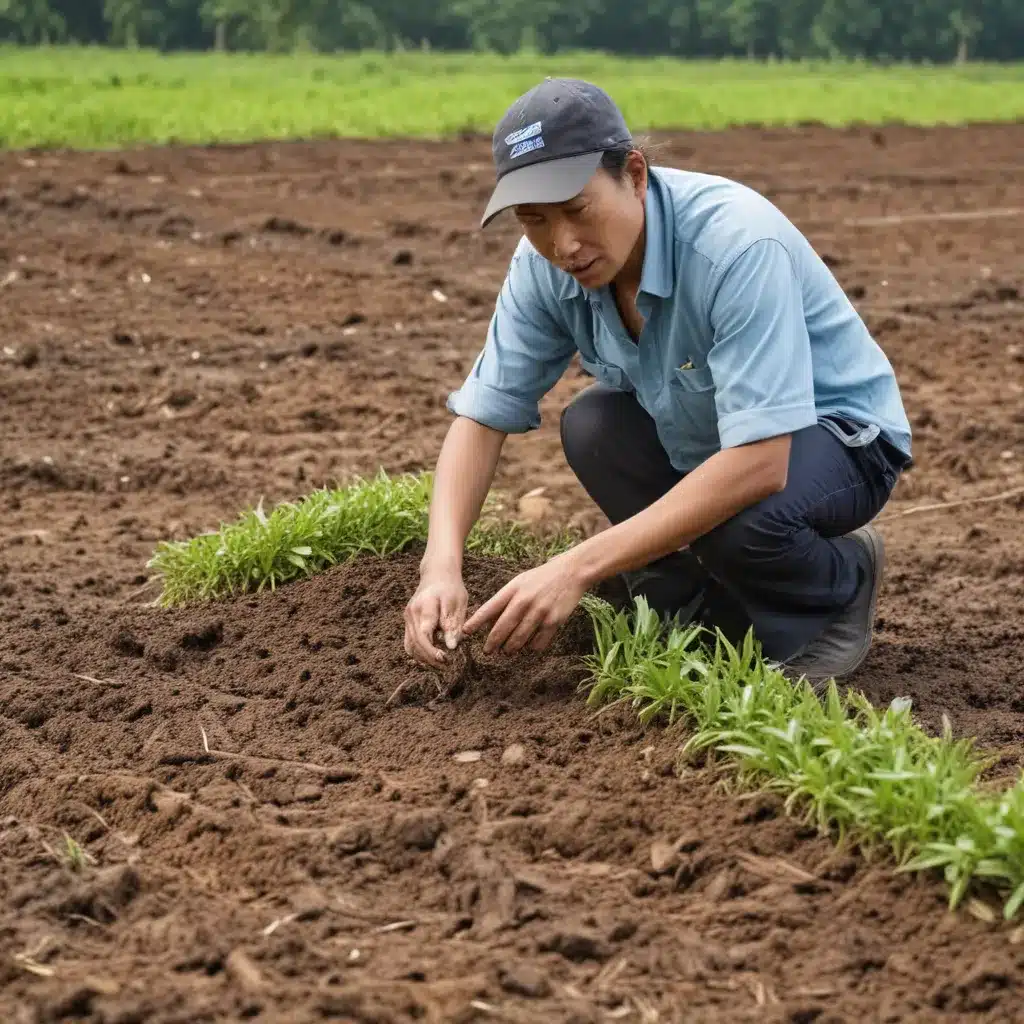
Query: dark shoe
{"type": "Point", "coordinates": [843, 646]}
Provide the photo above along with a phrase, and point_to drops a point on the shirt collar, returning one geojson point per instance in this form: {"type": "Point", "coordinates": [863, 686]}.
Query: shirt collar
{"type": "Point", "coordinates": [658, 273]}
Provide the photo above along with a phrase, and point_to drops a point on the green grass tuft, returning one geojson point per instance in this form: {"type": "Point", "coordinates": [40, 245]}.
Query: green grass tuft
{"type": "Point", "coordinates": [872, 776]}
{"type": "Point", "coordinates": [96, 98]}
{"type": "Point", "coordinates": [382, 516]}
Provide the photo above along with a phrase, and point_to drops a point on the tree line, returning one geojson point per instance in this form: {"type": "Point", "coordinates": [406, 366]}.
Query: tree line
{"type": "Point", "coordinates": [879, 30]}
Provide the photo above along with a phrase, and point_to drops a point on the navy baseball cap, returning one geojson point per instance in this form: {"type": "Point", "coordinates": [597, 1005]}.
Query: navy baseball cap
{"type": "Point", "coordinates": [550, 141]}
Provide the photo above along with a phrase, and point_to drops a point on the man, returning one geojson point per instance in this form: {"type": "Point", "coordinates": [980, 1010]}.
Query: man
{"type": "Point", "coordinates": [744, 427]}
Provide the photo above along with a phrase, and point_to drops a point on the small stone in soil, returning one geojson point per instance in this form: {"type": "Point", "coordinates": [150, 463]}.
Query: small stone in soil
{"type": "Point", "coordinates": [534, 508]}
{"type": "Point", "coordinates": [514, 754]}
{"type": "Point", "coordinates": [664, 856]}
{"type": "Point", "coordinates": [419, 829]}
{"type": "Point", "coordinates": [524, 980]}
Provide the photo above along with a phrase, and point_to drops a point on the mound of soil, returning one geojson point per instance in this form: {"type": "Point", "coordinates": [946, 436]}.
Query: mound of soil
{"type": "Point", "coordinates": [258, 813]}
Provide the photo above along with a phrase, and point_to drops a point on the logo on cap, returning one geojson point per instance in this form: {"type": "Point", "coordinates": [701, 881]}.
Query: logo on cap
{"type": "Point", "coordinates": [529, 132]}
{"type": "Point", "coordinates": [524, 141]}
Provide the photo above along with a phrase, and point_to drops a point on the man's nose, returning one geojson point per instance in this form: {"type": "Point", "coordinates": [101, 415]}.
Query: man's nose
{"type": "Point", "coordinates": [566, 242]}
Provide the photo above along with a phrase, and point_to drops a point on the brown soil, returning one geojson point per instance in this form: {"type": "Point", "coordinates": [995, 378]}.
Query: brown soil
{"type": "Point", "coordinates": [276, 824]}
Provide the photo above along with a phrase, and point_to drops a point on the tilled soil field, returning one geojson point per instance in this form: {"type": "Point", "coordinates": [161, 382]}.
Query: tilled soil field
{"type": "Point", "coordinates": [270, 833]}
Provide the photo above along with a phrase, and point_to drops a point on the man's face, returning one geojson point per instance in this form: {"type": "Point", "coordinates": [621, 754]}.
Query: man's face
{"type": "Point", "coordinates": [593, 235]}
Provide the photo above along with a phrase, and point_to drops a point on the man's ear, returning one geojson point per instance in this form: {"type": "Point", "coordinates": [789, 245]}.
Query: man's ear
{"type": "Point", "coordinates": [636, 165]}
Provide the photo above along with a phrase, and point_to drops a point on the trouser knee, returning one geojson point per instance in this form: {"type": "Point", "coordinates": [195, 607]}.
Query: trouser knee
{"type": "Point", "coordinates": [611, 444]}
{"type": "Point", "coordinates": [585, 432]}
{"type": "Point", "coordinates": [749, 542]}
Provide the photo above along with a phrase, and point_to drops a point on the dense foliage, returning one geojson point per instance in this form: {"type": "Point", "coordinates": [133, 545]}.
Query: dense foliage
{"type": "Point", "coordinates": [933, 30]}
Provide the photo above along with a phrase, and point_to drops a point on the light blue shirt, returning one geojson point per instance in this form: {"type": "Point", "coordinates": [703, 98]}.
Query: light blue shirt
{"type": "Point", "coordinates": [747, 335]}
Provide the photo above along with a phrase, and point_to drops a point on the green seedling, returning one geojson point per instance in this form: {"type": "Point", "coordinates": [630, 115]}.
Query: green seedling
{"type": "Point", "coordinates": [73, 854]}
{"type": "Point", "coordinates": [872, 777]}
{"type": "Point", "coordinates": [379, 517]}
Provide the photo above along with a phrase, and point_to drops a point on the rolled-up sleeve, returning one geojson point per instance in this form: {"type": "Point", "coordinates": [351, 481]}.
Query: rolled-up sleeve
{"type": "Point", "coordinates": [760, 358]}
{"type": "Point", "coordinates": [526, 351]}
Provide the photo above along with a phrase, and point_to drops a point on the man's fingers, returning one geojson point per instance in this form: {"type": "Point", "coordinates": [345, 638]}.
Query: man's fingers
{"type": "Point", "coordinates": [529, 623]}
{"type": "Point", "coordinates": [422, 652]}
{"type": "Point", "coordinates": [480, 617]}
{"type": "Point", "coordinates": [453, 614]}
{"type": "Point", "coordinates": [415, 651]}
{"type": "Point", "coordinates": [426, 653]}
{"type": "Point", "coordinates": [408, 641]}
{"type": "Point", "coordinates": [488, 611]}
{"type": "Point", "coordinates": [543, 637]}
{"type": "Point", "coordinates": [425, 623]}
{"type": "Point", "coordinates": [426, 616]}
{"type": "Point", "coordinates": [506, 625]}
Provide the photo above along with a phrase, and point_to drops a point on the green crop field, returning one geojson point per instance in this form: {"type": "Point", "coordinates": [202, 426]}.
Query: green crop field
{"type": "Point", "coordinates": [103, 98]}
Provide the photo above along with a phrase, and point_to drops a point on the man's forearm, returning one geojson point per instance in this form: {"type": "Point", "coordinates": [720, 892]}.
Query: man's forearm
{"type": "Point", "coordinates": [726, 484]}
{"type": "Point", "coordinates": [465, 470]}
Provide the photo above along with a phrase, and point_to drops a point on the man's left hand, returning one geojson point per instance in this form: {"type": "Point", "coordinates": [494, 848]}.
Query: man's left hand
{"type": "Point", "coordinates": [530, 609]}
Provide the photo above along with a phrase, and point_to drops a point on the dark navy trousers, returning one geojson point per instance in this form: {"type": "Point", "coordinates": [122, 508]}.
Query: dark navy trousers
{"type": "Point", "coordinates": [782, 565]}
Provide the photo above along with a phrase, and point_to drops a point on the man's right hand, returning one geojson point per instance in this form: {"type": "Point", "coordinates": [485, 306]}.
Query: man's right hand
{"type": "Point", "coordinates": [440, 602]}
{"type": "Point", "coordinates": [465, 469]}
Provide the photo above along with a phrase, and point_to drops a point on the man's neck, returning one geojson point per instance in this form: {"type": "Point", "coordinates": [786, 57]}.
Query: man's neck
{"type": "Point", "coordinates": [627, 281]}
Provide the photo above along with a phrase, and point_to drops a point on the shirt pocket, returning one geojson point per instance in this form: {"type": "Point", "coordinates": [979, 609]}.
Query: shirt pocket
{"type": "Point", "coordinates": [613, 376]}
{"type": "Point", "coordinates": [691, 406]}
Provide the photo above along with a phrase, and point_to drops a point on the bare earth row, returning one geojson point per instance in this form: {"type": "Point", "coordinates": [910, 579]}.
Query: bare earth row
{"type": "Point", "coordinates": [187, 330]}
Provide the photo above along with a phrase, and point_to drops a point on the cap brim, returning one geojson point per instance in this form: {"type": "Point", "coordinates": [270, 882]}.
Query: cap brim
{"type": "Point", "coordinates": [553, 181]}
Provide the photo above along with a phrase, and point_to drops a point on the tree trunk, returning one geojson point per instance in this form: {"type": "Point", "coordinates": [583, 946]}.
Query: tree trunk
{"type": "Point", "coordinates": [221, 37]}
{"type": "Point", "coordinates": [961, 50]}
